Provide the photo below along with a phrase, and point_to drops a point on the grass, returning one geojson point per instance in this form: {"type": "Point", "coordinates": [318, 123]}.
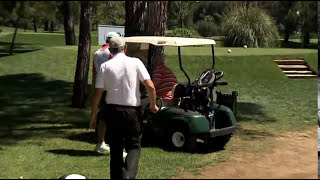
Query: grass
{"type": "Point", "coordinates": [42, 137]}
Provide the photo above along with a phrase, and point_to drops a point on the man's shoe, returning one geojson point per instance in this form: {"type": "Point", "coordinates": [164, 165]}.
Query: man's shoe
{"type": "Point", "coordinates": [124, 155]}
{"type": "Point", "coordinates": [102, 148]}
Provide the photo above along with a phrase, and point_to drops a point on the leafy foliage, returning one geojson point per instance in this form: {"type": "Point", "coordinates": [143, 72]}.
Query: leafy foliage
{"type": "Point", "coordinates": [108, 13]}
{"type": "Point", "coordinates": [207, 27]}
{"type": "Point", "coordinates": [307, 12]}
{"type": "Point", "coordinates": [180, 13]}
{"type": "Point", "coordinates": [183, 32]}
{"type": "Point", "coordinates": [249, 26]}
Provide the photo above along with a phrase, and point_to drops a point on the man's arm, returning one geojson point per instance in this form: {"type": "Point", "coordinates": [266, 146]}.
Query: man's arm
{"type": "Point", "coordinates": [95, 105]}
{"type": "Point", "coordinates": [152, 95]}
{"type": "Point", "coordinates": [145, 78]}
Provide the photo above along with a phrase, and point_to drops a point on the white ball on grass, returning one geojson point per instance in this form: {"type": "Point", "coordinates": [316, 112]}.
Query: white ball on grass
{"type": "Point", "coordinates": [229, 50]}
{"type": "Point", "coordinates": [245, 46]}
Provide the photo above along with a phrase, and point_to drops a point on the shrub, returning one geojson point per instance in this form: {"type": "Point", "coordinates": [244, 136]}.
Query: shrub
{"type": "Point", "coordinates": [183, 32]}
{"type": "Point", "coordinates": [206, 28]}
{"type": "Point", "coordinates": [249, 26]}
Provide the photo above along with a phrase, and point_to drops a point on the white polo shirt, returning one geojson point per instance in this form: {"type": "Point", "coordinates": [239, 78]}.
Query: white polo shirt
{"type": "Point", "coordinates": [100, 56]}
{"type": "Point", "coordinates": [120, 77]}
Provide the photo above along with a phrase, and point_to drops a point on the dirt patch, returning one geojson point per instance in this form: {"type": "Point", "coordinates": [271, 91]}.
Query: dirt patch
{"type": "Point", "coordinates": [293, 157]}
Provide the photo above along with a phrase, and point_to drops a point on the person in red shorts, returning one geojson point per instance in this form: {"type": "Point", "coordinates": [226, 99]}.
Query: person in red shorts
{"type": "Point", "coordinates": [101, 56]}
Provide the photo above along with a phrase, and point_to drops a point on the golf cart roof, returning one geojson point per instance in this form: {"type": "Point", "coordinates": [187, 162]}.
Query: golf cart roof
{"type": "Point", "coordinates": [169, 41]}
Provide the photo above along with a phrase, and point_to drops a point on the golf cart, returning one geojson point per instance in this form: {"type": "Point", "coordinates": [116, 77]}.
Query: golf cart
{"type": "Point", "coordinates": [192, 114]}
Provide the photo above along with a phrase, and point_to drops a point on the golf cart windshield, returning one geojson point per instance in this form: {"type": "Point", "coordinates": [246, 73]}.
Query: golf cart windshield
{"type": "Point", "coordinates": [169, 41]}
{"type": "Point", "coordinates": [146, 41]}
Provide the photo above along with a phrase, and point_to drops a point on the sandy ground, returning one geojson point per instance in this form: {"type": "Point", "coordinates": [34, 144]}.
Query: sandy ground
{"type": "Point", "coordinates": [295, 156]}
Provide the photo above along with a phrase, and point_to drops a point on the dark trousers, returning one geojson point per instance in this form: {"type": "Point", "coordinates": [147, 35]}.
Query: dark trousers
{"type": "Point", "coordinates": [124, 126]}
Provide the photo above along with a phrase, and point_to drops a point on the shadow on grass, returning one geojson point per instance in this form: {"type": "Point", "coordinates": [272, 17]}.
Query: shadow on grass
{"type": "Point", "coordinates": [19, 48]}
{"type": "Point", "coordinates": [156, 142]}
{"type": "Point", "coordinates": [89, 137]}
{"type": "Point", "coordinates": [298, 45]}
{"type": "Point", "coordinates": [253, 134]}
{"type": "Point", "coordinates": [252, 112]}
{"type": "Point", "coordinates": [75, 153]}
{"type": "Point", "coordinates": [246, 112]}
{"type": "Point", "coordinates": [33, 106]}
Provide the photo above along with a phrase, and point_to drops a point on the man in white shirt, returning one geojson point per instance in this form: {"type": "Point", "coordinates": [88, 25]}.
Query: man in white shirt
{"type": "Point", "coordinates": [100, 56]}
{"type": "Point", "coordinates": [120, 77]}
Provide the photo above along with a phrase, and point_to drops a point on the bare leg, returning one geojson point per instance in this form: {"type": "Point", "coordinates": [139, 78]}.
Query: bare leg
{"type": "Point", "coordinates": [101, 146]}
{"type": "Point", "coordinates": [101, 131]}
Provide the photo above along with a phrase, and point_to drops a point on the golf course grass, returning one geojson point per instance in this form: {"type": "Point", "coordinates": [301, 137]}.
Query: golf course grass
{"type": "Point", "coordinates": [41, 136]}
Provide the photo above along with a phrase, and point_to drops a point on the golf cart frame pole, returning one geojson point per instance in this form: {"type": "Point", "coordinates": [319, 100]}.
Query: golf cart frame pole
{"type": "Point", "coordinates": [180, 64]}
{"type": "Point", "coordinates": [213, 57]}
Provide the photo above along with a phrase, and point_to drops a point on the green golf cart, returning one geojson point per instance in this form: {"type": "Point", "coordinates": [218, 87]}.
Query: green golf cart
{"type": "Point", "coordinates": [192, 114]}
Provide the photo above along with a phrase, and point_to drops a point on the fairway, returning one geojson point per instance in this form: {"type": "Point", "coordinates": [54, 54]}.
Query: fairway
{"type": "Point", "coordinates": [42, 137]}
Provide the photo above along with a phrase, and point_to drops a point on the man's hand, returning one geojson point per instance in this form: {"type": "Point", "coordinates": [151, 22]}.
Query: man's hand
{"type": "Point", "coordinates": [93, 122]}
{"type": "Point", "coordinates": [95, 102]}
{"type": "Point", "coordinates": [152, 95]}
{"type": "Point", "coordinates": [154, 108]}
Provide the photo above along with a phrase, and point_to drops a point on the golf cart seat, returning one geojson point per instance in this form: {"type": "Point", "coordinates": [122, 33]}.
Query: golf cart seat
{"type": "Point", "coordinates": [208, 77]}
{"type": "Point", "coordinates": [196, 95]}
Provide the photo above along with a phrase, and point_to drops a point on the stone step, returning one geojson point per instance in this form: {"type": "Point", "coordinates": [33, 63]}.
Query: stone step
{"type": "Point", "coordinates": [296, 62]}
{"type": "Point", "coordinates": [298, 72]}
{"type": "Point", "coordinates": [301, 76]}
{"type": "Point", "coordinates": [293, 67]}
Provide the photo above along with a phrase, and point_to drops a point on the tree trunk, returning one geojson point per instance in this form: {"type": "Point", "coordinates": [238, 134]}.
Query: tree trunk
{"type": "Point", "coordinates": [52, 26]}
{"type": "Point", "coordinates": [70, 36]}
{"type": "Point", "coordinates": [35, 25]}
{"type": "Point", "coordinates": [148, 18]}
{"type": "Point", "coordinates": [156, 27]}
{"type": "Point", "coordinates": [286, 36]}
{"type": "Point", "coordinates": [46, 25]}
{"type": "Point", "coordinates": [135, 17]}
{"type": "Point", "coordinates": [318, 29]}
{"type": "Point", "coordinates": [81, 76]}
{"type": "Point", "coordinates": [318, 40]}
{"type": "Point", "coordinates": [306, 38]}
{"type": "Point", "coordinates": [14, 36]}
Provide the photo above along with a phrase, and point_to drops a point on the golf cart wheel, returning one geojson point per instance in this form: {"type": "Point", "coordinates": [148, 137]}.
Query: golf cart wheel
{"type": "Point", "coordinates": [182, 139]}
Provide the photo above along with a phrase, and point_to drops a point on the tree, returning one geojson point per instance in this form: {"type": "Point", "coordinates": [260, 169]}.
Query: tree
{"type": "Point", "coordinates": [84, 46]}
{"type": "Point", "coordinates": [135, 17]}
{"type": "Point", "coordinates": [147, 18]}
{"type": "Point", "coordinates": [51, 11]}
{"type": "Point", "coordinates": [307, 12]}
{"type": "Point", "coordinates": [289, 20]}
{"type": "Point", "coordinates": [318, 27]}
{"type": "Point", "coordinates": [182, 12]}
{"type": "Point", "coordinates": [318, 42]}
{"type": "Point", "coordinates": [284, 14]}
{"type": "Point", "coordinates": [109, 13]}
{"type": "Point", "coordinates": [34, 13]}
{"type": "Point", "coordinates": [209, 9]}
{"type": "Point", "coordinates": [20, 13]}
{"type": "Point", "coordinates": [6, 9]}
{"type": "Point", "coordinates": [70, 36]}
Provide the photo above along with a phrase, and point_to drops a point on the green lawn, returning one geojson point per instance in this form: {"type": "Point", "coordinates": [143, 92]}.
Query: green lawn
{"type": "Point", "coordinates": [42, 137]}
